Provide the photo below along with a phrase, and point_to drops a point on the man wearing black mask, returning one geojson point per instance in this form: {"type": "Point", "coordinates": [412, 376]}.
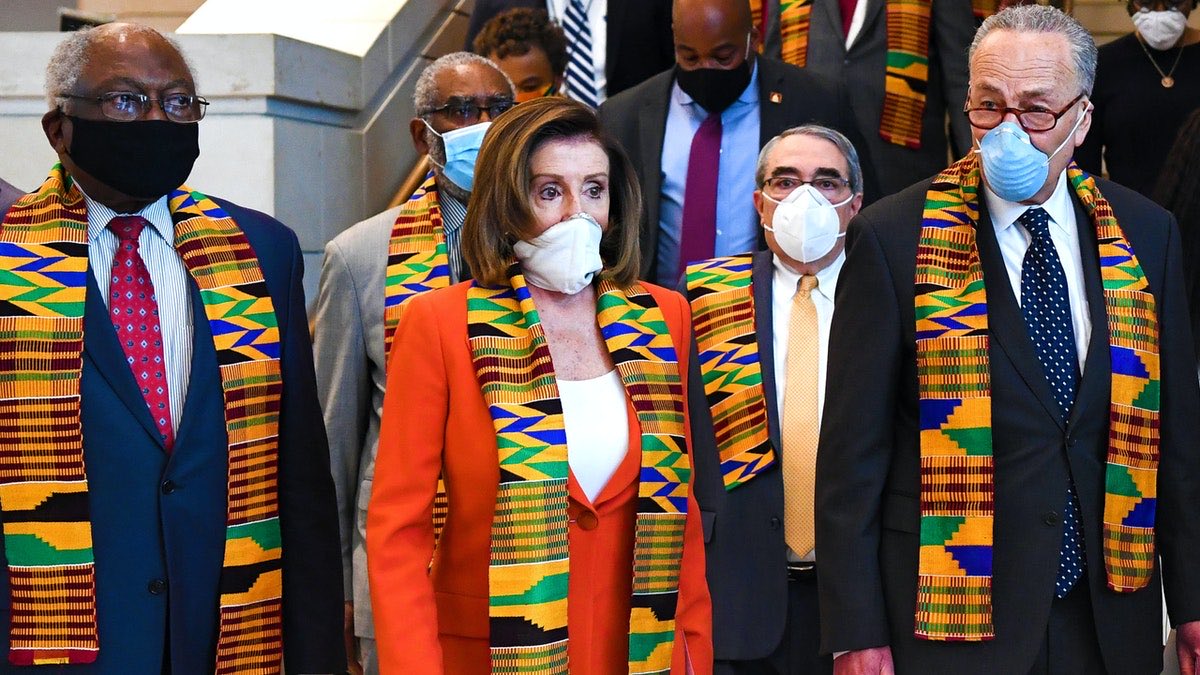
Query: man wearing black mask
{"type": "Point", "coordinates": [165, 491]}
{"type": "Point", "coordinates": [694, 132]}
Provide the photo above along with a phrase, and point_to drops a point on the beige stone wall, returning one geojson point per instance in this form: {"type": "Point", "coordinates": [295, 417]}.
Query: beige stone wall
{"type": "Point", "coordinates": [165, 15]}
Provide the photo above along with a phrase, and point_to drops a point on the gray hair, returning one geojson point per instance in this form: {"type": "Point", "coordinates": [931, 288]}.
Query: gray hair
{"type": "Point", "coordinates": [1045, 19]}
{"type": "Point", "coordinates": [72, 54]}
{"type": "Point", "coordinates": [816, 131]}
{"type": "Point", "coordinates": [426, 96]}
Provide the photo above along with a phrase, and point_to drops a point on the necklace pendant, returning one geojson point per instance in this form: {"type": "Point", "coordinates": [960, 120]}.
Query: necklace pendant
{"type": "Point", "coordinates": [1168, 82]}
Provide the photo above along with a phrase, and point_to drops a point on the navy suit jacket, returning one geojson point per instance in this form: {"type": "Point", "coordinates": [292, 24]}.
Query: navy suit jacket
{"type": "Point", "coordinates": [743, 528]}
{"type": "Point", "coordinates": [158, 519]}
{"type": "Point", "coordinates": [868, 467]}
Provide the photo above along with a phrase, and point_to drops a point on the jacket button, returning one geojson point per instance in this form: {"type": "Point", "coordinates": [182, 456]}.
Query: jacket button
{"type": "Point", "coordinates": [168, 486]}
{"type": "Point", "coordinates": [588, 520]}
{"type": "Point", "coordinates": [157, 586]}
{"type": "Point", "coordinates": [774, 522]}
{"type": "Point", "coordinates": [1050, 518]}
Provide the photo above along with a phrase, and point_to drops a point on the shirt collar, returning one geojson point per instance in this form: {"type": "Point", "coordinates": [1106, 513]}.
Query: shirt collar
{"type": "Point", "coordinates": [454, 212]}
{"type": "Point", "coordinates": [1059, 206]}
{"type": "Point", "coordinates": [827, 278]}
{"type": "Point", "coordinates": [749, 95]}
{"type": "Point", "coordinates": [157, 213]}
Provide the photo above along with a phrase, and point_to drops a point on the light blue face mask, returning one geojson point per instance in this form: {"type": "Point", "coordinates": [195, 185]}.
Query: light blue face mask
{"type": "Point", "coordinates": [462, 148]}
{"type": "Point", "coordinates": [1014, 168]}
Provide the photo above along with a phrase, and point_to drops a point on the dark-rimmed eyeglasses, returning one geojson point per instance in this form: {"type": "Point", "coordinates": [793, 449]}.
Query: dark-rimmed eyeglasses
{"type": "Point", "coordinates": [469, 112]}
{"type": "Point", "coordinates": [126, 106]}
{"type": "Point", "coordinates": [833, 187]}
{"type": "Point", "coordinates": [1030, 120]}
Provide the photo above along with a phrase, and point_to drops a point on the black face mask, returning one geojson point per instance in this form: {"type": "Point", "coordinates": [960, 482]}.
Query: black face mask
{"type": "Point", "coordinates": [714, 89]}
{"type": "Point", "coordinates": [144, 159]}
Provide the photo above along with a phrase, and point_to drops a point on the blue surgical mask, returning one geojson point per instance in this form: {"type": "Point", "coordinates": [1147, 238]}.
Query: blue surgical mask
{"type": "Point", "coordinates": [462, 148]}
{"type": "Point", "coordinates": [1014, 168]}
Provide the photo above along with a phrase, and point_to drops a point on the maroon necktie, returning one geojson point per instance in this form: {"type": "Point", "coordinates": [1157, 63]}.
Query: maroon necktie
{"type": "Point", "coordinates": [698, 233]}
{"type": "Point", "coordinates": [847, 15]}
{"type": "Point", "coordinates": [134, 311]}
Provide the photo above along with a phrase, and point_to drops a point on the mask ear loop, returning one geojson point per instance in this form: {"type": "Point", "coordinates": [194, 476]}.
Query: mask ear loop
{"type": "Point", "coordinates": [440, 137]}
{"type": "Point", "coordinates": [1075, 127]}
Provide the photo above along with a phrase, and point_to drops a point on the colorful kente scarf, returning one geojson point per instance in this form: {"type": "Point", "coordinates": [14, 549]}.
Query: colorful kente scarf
{"type": "Point", "coordinates": [530, 561]}
{"type": "Point", "coordinates": [907, 76]}
{"type": "Point", "coordinates": [43, 481]}
{"type": "Point", "coordinates": [417, 262]}
{"type": "Point", "coordinates": [722, 298]}
{"type": "Point", "coordinates": [954, 600]}
{"type": "Point", "coordinates": [984, 8]}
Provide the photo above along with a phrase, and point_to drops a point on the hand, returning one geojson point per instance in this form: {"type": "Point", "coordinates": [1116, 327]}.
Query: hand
{"type": "Point", "coordinates": [873, 661]}
{"type": "Point", "coordinates": [352, 664]}
{"type": "Point", "coordinates": [1187, 647]}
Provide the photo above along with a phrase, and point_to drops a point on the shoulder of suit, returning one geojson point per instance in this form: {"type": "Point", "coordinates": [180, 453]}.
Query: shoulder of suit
{"type": "Point", "coordinates": [254, 222]}
{"type": "Point", "coordinates": [1131, 206]}
{"type": "Point", "coordinates": [367, 236]}
{"type": "Point", "coordinates": [806, 79]}
{"type": "Point", "coordinates": [657, 86]}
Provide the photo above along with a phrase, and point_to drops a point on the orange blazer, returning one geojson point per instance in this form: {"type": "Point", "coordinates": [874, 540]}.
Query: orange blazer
{"type": "Point", "coordinates": [435, 420]}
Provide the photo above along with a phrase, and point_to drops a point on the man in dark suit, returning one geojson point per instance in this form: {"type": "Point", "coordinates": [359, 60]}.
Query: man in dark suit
{"type": "Point", "coordinates": [167, 502]}
{"type": "Point", "coordinates": [1010, 449]}
{"type": "Point", "coordinates": [8, 195]}
{"type": "Point", "coordinates": [636, 35]}
{"type": "Point", "coordinates": [762, 325]}
{"type": "Point", "coordinates": [848, 42]}
{"type": "Point", "coordinates": [719, 105]}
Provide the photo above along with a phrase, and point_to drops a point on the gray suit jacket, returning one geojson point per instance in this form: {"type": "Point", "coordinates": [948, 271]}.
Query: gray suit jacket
{"type": "Point", "coordinates": [8, 195]}
{"type": "Point", "coordinates": [743, 529]}
{"type": "Point", "coordinates": [861, 70]}
{"type": "Point", "coordinates": [351, 376]}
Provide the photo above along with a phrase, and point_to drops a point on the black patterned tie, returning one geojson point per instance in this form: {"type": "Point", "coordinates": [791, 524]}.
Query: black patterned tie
{"type": "Point", "coordinates": [1047, 311]}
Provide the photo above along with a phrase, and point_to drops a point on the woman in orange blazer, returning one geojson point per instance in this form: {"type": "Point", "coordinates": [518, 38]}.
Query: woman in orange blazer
{"type": "Point", "coordinates": [555, 345]}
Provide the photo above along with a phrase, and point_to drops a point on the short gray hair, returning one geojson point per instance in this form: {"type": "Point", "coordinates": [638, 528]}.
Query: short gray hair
{"type": "Point", "coordinates": [72, 54]}
{"type": "Point", "coordinates": [1045, 19]}
{"type": "Point", "coordinates": [816, 131]}
{"type": "Point", "coordinates": [426, 96]}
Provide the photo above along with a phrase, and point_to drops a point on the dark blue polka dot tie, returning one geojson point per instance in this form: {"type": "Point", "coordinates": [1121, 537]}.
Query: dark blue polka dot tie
{"type": "Point", "coordinates": [1047, 311]}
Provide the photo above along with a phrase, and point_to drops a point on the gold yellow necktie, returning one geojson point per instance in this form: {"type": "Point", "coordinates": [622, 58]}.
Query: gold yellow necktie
{"type": "Point", "coordinates": [801, 421]}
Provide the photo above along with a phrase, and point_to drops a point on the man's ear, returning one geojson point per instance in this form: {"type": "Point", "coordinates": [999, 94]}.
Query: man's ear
{"type": "Point", "coordinates": [417, 129]}
{"type": "Point", "coordinates": [57, 129]}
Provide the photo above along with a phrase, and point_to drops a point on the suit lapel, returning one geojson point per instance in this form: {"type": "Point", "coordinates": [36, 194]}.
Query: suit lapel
{"type": "Point", "coordinates": [829, 15]}
{"type": "Point", "coordinates": [874, 9]}
{"type": "Point", "coordinates": [1006, 325]}
{"type": "Point", "coordinates": [203, 378]}
{"type": "Point", "coordinates": [762, 276]}
{"type": "Point", "coordinates": [1094, 386]}
{"type": "Point", "coordinates": [772, 114]}
{"type": "Point", "coordinates": [101, 347]}
{"type": "Point", "coordinates": [615, 16]}
{"type": "Point", "coordinates": [652, 126]}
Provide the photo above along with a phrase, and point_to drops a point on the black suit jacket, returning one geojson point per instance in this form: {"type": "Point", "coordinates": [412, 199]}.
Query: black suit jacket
{"type": "Point", "coordinates": [639, 41]}
{"type": "Point", "coordinates": [743, 529]}
{"type": "Point", "coordinates": [788, 97]}
{"type": "Point", "coordinates": [868, 473]}
{"type": "Point", "coordinates": [861, 71]}
{"type": "Point", "coordinates": [8, 195]}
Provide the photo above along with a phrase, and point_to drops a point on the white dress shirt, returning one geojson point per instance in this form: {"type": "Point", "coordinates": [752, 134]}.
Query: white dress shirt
{"type": "Point", "coordinates": [1014, 242]}
{"type": "Point", "coordinates": [170, 277]}
{"type": "Point", "coordinates": [783, 289]}
{"type": "Point", "coordinates": [597, 18]}
{"type": "Point", "coordinates": [596, 419]}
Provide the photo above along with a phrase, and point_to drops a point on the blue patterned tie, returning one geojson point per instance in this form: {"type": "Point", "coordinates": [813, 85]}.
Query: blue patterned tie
{"type": "Point", "coordinates": [1047, 311]}
{"type": "Point", "coordinates": [581, 73]}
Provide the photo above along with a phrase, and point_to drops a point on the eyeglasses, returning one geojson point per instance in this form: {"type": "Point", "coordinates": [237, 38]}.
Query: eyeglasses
{"type": "Point", "coordinates": [126, 106]}
{"type": "Point", "coordinates": [834, 188]}
{"type": "Point", "coordinates": [1030, 120]}
{"type": "Point", "coordinates": [1149, 5]}
{"type": "Point", "coordinates": [469, 112]}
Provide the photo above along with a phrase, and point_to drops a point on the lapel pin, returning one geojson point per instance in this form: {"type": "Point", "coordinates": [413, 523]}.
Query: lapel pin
{"type": "Point", "coordinates": [776, 97]}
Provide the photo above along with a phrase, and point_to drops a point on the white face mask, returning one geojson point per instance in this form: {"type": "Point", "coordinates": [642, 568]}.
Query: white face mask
{"type": "Point", "coordinates": [805, 224]}
{"type": "Point", "coordinates": [565, 257]}
{"type": "Point", "coordinates": [1160, 30]}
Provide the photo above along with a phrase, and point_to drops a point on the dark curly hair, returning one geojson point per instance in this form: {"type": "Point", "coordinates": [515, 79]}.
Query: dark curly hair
{"type": "Point", "coordinates": [514, 32]}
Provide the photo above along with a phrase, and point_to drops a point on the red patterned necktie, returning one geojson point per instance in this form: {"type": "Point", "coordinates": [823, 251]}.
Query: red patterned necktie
{"type": "Point", "coordinates": [134, 311]}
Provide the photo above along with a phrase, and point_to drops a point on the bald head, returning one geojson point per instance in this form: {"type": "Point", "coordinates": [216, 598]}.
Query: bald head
{"type": "Point", "coordinates": [711, 33]}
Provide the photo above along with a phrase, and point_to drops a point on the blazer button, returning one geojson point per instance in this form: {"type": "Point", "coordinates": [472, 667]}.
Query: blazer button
{"type": "Point", "coordinates": [774, 522]}
{"type": "Point", "coordinates": [168, 486]}
{"type": "Point", "coordinates": [1050, 518]}
{"type": "Point", "coordinates": [588, 520]}
{"type": "Point", "coordinates": [157, 586]}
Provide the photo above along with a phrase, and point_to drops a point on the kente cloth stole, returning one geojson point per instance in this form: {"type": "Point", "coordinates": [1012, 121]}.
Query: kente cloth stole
{"type": "Point", "coordinates": [530, 561]}
{"type": "Point", "coordinates": [954, 599]}
{"type": "Point", "coordinates": [417, 262]}
{"type": "Point", "coordinates": [984, 8]}
{"type": "Point", "coordinates": [43, 481]}
{"type": "Point", "coordinates": [722, 298]}
{"type": "Point", "coordinates": [907, 75]}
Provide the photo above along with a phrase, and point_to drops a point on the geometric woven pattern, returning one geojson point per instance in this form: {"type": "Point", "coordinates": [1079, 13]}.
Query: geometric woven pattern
{"type": "Point", "coordinates": [794, 20]}
{"type": "Point", "coordinates": [723, 318]}
{"type": "Point", "coordinates": [529, 566]}
{"type": "Point", "coordinates": [954, 386]}
{"type": "Point", "coordinates": [907, 74]}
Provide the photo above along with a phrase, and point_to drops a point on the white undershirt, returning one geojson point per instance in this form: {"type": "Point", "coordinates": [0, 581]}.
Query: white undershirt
{"type": "Point", "coordinates": [597, 425]}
